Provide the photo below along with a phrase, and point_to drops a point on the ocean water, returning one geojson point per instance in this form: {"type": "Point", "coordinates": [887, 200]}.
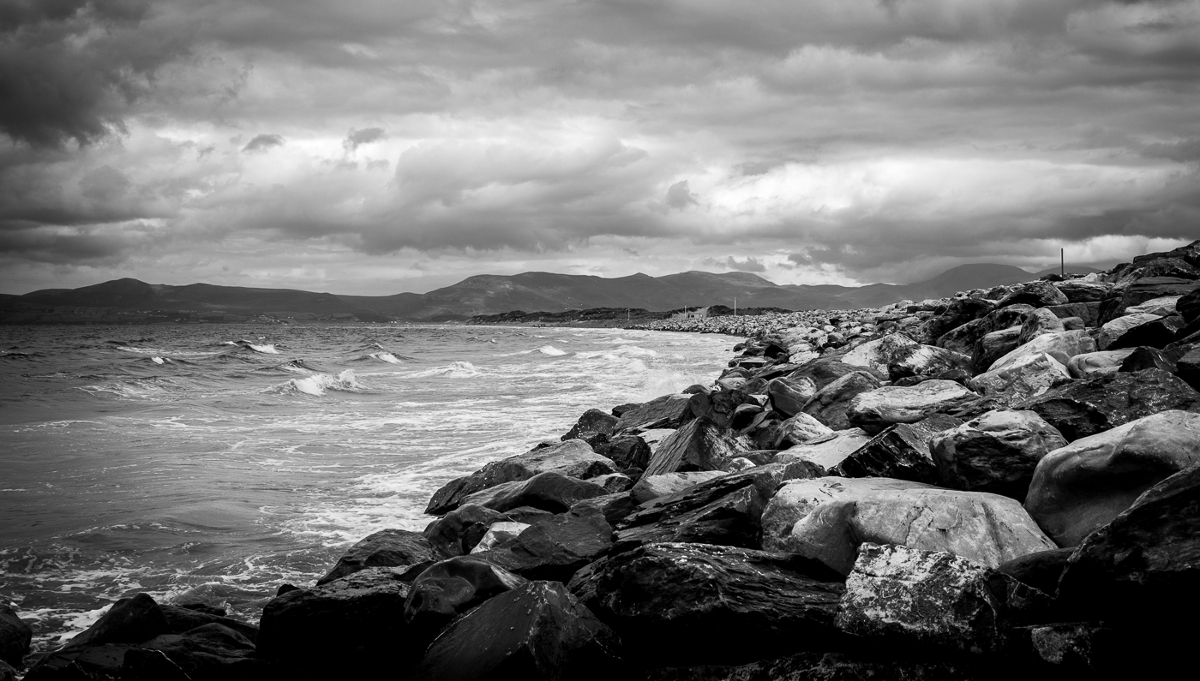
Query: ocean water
{"type": "Point", "coordinates": [214, 463]}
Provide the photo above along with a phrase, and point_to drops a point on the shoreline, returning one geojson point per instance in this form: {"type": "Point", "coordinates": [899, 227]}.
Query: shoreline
{"type": "Point", "coordinates": [675, 538]}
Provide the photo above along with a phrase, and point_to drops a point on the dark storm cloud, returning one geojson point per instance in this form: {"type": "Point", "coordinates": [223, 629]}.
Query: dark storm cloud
{"type": "Point", "coordinates": [750, 264]}
{"type": "Point", "coordinates": [357, 138]}
{"type": "Point", "coordinates": [263, 142]}
{"type": "Point", "coordinates": [679, 196]}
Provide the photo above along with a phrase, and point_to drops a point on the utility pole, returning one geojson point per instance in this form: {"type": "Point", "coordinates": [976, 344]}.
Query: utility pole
{"type": "Point", "coordinates": [735, 306]}
{"type": "Point", "coordinates": [1062, 262]}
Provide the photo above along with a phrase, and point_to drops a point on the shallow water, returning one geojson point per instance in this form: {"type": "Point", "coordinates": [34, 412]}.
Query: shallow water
{"type": "Point", "coordinates": [213, 462]}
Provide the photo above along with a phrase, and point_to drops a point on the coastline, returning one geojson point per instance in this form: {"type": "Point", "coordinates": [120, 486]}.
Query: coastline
{"type": "Point", "coordinates": [609, 539]}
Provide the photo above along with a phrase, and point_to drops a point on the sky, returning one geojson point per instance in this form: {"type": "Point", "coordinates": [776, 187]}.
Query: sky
{"type": "Point", "coordinates": [376, 147]}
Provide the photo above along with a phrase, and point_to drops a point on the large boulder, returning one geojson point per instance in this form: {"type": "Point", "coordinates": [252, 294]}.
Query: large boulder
{"type": "Point", "coordinates": [789, 395]}
{"type": "Point", "coordinates": [385, 548]}
{"type": "Point", "coordinates": [1143, 289]}
{"type": "Point", "coordinates": [1039, 322]}
{"type": "Point", "coordinates": [799, 429]}
{"type": "Point", "coordinates": [926, 597]}
{"type": "Point", "coordinates": [1144, 565]}
{"type": "Point", "coordinates": [593, 422]}
{"type": "Point", "coordinates": [679, 603]}
{"type": "Point", "coordinates": [460, 530]}
{"type": "Point", "coordinates": [1117, 327]}
{"type": "Point", "coordinates": [626, 451]}
{"type": "Point", "coordinates": [958, 312]}
{"type": "Point", "coordinates": [574, 458]}
{"type": "Point", "coordinates": [823, 371]}
{"type": "Point", "coordinates": [987, 528]}
{"type": "Point", "coordinates": [875, 410]}
{"type": "Point", "coordinates": [900, 452]}
{"type": "Point", "coordinates": [15, 636]}
{"type": "Point", "coordinates": [1188, 306]}
{"type": "Point", "coordinates": [828, 450]}
{"type": "Point", "coordinates": [1028, 377]}
{"type": "Point", "coordinates": [654, 486]}
{"type": "Point", "coordinates": [184, 619]}
{"type": "Point", "coordinates": [538, 631]}
{"type": "Point", "coordinates": [1084, 485]}
{"type": "Point", "coordinates": [547, 491]}
{"type": "Point", "coordinates": [879, 353]}
{"type": "Point", "coordinates": [1035, 293]}
{"type": "Point", "coordinates": [451, 587]}
{"type": "Point", "coordinates": [723, 511]}
{"type": "Point", "coordinates": [996, 452]}
{"type": "Point", "coordinates": [1095, 363]}
{"type": "Point", "coordinates": [829, 404]}
{"type": "Point", "coordinates": [1062, 346]}
{"type": "Point", "coordinates": [700, 445]}
{"type": "Point", "coordinates": [1086, 407]}
{"type": "Point", "coordinates": [347, 618]}
{"type": "Point", "coordinates": [1163, 307]}
{"type": "Point", "coordinates": [964, 338]}
{"type": "Point", "coordinates": [1188, 367]}
{"type": "Point", "coordinates": [667, 411]}
{"type": "Point", "coordinates": [555, 547]}
{"type": "Point", "coordinates": [210, 652]}
{"type": "Point", "coordinates": [926, 361]}
{"type": "Point", "coordinates": [994, 345]}
{"type": "Point", "coordinates": [1157, 333]}
{"type": "Point", "coordinates": [718, 406]}
{"type": "Point", "coordinates": [1082, 291]}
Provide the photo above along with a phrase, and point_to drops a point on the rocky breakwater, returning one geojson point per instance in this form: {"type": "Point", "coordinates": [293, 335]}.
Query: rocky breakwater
{"type": "Point", "coordinates": [1002, 483]}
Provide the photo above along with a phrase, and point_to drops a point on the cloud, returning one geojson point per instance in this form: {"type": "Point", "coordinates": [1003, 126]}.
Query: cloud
{"type": "Point", "coordinates": [750, 264]}
{"type": "Point", "coordinates": [263, 142]}
{"type": "Point", "coordinates": [357, 138]}
{"type": "Point", "coordinates": [679, 197]}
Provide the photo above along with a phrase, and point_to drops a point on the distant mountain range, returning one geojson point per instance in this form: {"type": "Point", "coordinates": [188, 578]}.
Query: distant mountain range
{"type": "Point", "coordinates": [128, 300]}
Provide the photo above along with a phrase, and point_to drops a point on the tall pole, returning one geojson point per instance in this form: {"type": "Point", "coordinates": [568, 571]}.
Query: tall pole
{"type": "Point", "coordinates": [1062, 262]}
{"type": "Point", "coordinates": [735, 306]}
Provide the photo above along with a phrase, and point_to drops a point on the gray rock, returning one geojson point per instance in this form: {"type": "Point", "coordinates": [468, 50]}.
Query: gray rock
{"type": "Point", "coordinates": [877, 409]}
{"type": "Point", "coordinates": [829, 404]}
{"type": "Point", "coordinates": [1038, 322]}
{"type": "Point", "coordinates": [699, 445]}
{"type": "Point", "coordinates": [900, 452]}
{"type": "Point", "coordinates": [1061, 346]}
{"type": "Point", "coordinates": [385, 548]}
{"type": "Point", "coordinates": [1027, 377]}
{"type": "Point", "coordinates": [996, 452]}
{"type": "Point", "coordinates": [789, 395]}
{"type": "Point", "coordinates": [655, 486]}
{"type": "Point", "coordinates": [547, 491]}
{"type": "Point", "coordinates": [1097, 363]}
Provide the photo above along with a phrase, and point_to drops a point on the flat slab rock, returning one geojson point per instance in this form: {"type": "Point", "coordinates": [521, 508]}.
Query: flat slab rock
{"type": "Point", "coordinates": [574, 458]}
{"type": "Point", "coordinates": [877, 409]}
{"type": "Point", "coordinates": [1086, 407]}
{"type": "Point", "coordinates": [685, 604]}
{"type": "Point", "coordinates": [833, 516]}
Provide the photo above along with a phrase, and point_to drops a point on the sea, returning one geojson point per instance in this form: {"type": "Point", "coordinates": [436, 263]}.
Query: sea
{"type": "Point", "coordinates": [214, 463]}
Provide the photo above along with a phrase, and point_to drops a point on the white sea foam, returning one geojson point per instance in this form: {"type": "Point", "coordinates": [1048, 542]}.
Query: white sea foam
{"type": "Point", "coordinates": [318, 384]}
{"type": "Point", "coordinates": [385, 357]}
{"type": "Point", "coordinates": [551, 351]}
{"type": "Point", "coordinates": [266, 348]}
{"type": "Point", "coordinates": [158, 360]}
{"type": "Point", "coordinates": [453, 370]}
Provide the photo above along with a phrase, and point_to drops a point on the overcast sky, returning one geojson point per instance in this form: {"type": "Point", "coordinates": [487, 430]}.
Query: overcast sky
{"type": "Point", "coordinates": [375, 146]}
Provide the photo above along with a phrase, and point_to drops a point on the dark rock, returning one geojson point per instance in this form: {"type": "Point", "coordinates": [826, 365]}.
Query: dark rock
{"type": "Point", "coordinates": [1088, 313]}
{"type": "Point", "coordinates": [130, 620]}
{"type": "Point", "coordinates": [183, 619]}
{"type": "Point", "coordinates": [1079, 291]}
{"type": "Point", "coordinates": [925, 361]}
{"type": "Point", "coordinates": [1189, 306]}
{"type": "Point", "coordinates": [900, 452]}
{"type": "Point", "coordinates": [926, 597]}
{"type": "Point", "coordinates": [451, 587]}
{"type": "Point", "coordinates": [592, 422]}
{"type": "Point", "coordinates": [546, 491]}
{"type": "Point", "coordinates": [824, 371]}
{"type": "Point", "coordinates": [385, 548]}
{"type": "Point", "coordinates": [1141, 290]}
{"type": "Point", "coordinates": [614, 482]}
{"type": "Point", "coordinates": [1157, 333]}
{"type": "Point", "coordinates": [1188, 367]}
{"type": "Point", "coordinates": [996, 452]}
{"type": "Point", "coordinates": [7, 673]}
{"type": "Point", "coordinates": [614, 507]}
{"type": "Point", "coordinates": [744, 416]}
{"type": "Point", "coordinates": [959, 312]}
{"type": "Point", "coordinates": [457, 532]}
{"type": "Point", "coordinates": [993, 346]}
{"type": "Point", "coordinates": [537, 631]}
{"type": "Point", "coordinates": [211, 652]}
{"type": "Point", "coordinates": [101, 662]}
{"type": "Point", "coordinates": [667, 411]}
{"type": "Point", "coordinates": [351, 617]}
{"type": "Point", "coordinates": [574, 458]}
{"type": "Point", "coordinates": [1144, 566]}
{"type": "Point", "coordinates": [1089, 406]}
{"type": "Point", "coordinates": [789, 395]}
{"type": "Point", "coordinates": [964, 338]}
{"type": "Point", "coordinates": [1035, 293]}
{"type": "Point", "coordinates": [724, 511]}
{"type": "Point", "coordinates": [829, 404]}
{"type": "Point", "coordinates": [1143, 358]}
{"type": "Point", "coordinates": [1038, 322]}
{"type": "Point", "coordinates": [677, 603]}
{"type": "Point", "coordinates": [1084, 485]}
{"type": "Point", "coordinates": [825, 666]}
{"type": "Point", "coordinates": [701, 445]}
{"type": "Point", "coordinates": [554, 548]}
{"type": "Point", "coordinates": [15, 636]}
{"type": "Point", "coordinates": [627, 451]}
{"type": "Point", "coordinates": [799, 429]}
{"type": "Point", "coordinates": [1040, 570]}
{"type": "Point", "coordinates": [717, 406]}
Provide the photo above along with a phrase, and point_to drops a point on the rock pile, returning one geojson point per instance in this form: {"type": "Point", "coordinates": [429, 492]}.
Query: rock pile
{"type": "Point", "coordinates": [1002, 483]}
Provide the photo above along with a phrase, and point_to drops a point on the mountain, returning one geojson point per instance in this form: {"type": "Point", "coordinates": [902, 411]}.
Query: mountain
{"type": "Point", "coordinates": [124, 300]}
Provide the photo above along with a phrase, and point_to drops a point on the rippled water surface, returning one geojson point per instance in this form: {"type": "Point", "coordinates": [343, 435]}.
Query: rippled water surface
{"type": "Point", "coordinates": [214, 463]}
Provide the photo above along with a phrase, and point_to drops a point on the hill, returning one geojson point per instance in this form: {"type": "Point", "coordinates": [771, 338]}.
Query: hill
{"type": "Point", "coordinates": [129, 300]}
